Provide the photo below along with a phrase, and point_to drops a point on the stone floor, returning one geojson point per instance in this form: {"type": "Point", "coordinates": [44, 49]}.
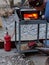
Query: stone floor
{"type": "Point", "coordinates": [38, 60]}
{"type": "Point", "coordinates": [13, 58]}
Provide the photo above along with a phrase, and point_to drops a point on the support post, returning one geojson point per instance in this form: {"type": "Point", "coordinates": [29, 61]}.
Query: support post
{"type": "Point", "coordinates": [15, 34]}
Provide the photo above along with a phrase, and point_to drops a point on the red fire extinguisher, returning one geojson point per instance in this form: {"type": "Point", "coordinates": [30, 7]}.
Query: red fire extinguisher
{"type": "Point", "coordinates": [7, 42]}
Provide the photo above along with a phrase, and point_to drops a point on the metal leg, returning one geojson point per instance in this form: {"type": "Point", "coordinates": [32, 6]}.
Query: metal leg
{"type": "Point", "coordinates": [46, 33]}
{"type": "Point", "coordinates": [38, 34]}
{"type": "Point", "coordinates": [19, 44]}
{"type": "Point", "coordinates": [15, 34]}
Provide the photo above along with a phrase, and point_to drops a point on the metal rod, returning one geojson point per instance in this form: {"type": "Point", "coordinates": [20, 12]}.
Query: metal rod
{"type": "Point", "coordinates": [38, 33]}
{"type": "Point", "coordinates": [19, 38]}
{"type": "Point", "coordinates": [15, 34]}
{"type": "Point", "coordinates": [46, 33]}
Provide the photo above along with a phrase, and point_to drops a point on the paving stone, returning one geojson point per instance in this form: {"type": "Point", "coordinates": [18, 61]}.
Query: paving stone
{"type": "Point", "coordinates": [14, 60]}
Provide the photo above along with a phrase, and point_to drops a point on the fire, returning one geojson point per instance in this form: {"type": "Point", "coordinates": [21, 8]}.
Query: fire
{"type": "Point", "coordinates": [31, 16]}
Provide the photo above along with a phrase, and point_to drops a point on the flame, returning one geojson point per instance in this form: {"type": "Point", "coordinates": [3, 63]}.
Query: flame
{"type": "Point", "coordinates": [31, 16]}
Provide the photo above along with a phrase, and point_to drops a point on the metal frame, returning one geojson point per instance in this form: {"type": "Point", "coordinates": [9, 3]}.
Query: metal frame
{"type": "Point", "coordinates": [23, 22]}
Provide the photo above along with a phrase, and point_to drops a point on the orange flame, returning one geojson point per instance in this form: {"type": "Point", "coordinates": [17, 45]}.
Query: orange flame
{"type": "Point", "coordinates": [31, 16]}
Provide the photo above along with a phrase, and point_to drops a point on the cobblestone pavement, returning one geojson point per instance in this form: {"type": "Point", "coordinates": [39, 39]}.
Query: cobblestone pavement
{"type": "Point", "coordinates": [13, 58]}
{"type": "Point", "coordinates": [38, 59]}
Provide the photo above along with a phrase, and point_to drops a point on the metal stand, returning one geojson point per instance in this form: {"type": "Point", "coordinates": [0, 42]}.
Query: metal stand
{"type": "Point", "coordinates": [23, 22]}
